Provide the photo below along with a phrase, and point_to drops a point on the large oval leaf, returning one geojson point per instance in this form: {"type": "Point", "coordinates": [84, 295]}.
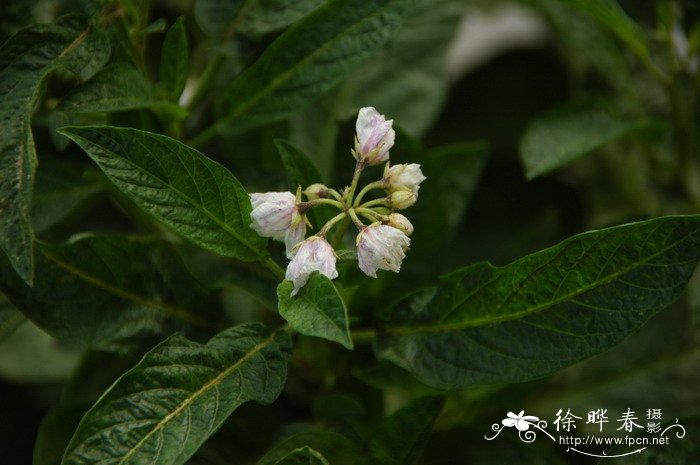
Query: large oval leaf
{"type": "Point", "coordinates": [25, 61]}
{"type": "Point", "coordinates": [195, 196]}
{"type": "Point", "coordinates": [548, 310]}
{"type": "Point", "coordinates": [178, 395]}
{"type": "Point", "coordinates": [103, 291]}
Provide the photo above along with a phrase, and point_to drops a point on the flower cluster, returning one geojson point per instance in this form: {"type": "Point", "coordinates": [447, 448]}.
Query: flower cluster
{"type": "Point", "coordinates": [380, 245]}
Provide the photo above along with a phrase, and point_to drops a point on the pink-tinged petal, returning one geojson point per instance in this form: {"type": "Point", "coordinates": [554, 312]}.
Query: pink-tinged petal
{"type": "Point", "coordinates": [374, 135]}
{"type": "Point", "coordinates": [272, 213]}
{"type": "Point", "coordinates": [380, 246]}
{"type": "Point", "coordinates": [293, 236]}
{"type": "Point", "coordinates": [313, 254]}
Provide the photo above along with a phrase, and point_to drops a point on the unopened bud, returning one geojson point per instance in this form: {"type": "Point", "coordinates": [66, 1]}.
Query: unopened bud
{"type": "Point", "coordinates": [316, 191]}
{"type": "Point", "coordinates": [402, 199]}
{"type": "Point", "coordinates": [400, 222]}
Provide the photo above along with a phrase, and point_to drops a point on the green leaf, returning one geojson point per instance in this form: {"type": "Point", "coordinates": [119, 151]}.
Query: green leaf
{"type": "Point", "coordinates": [548, 310]}
{"type": "Point", "coordinates": [300, 170]}
{"type": "Point", "coordinates": [174, 61]}
{"type": "Point", "coordinates": [253, 17]}
{"type": "Point", "coordinates": [118, 87]}
{"type": "Point", "coordinates": [25, 61]}
{"type": "Point", "coordinates": [178, 395]}
{"type": "Point", "coordinates": [61, 189]}
{"type": "Point", "coordinates": [612, 16]}
{"type": "Point", "coordinates": [10, 318]}
{"type": "Point", "coordinates": [310, 58]}
{"type": "Point", "coordinates": [30, 355]}
{"type": "Point", "coordinates": [561, 137]}
{"type": "Point", "coordinates": [401, 438]}
{"type": "Point", "coordinates": [302, 456]}
{"type": "Point", "coordinates": [317, 310]}
{"type": "Point", "coordinates": [195, 196]}
{"type": "Point", "coordinates": [103, 291]}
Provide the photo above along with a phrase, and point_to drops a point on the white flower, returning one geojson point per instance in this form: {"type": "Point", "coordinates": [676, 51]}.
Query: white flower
{"type": "Point", "coordinates": [400, 222]}
{"type": "Point", "coordinates": [380, 246]}
{"type": "Point", "coordinates": [313, 254]}
{"type": "Point", "coordinates": [522, 423]}
{"type": "Point", "coordinates": [374, 136]}
{"type": "Point", "coordinates": [405, 177]}
{"type": "Point", "coordinates": [275, 215]}
{"type": "Point", "coordinates": [272, 213]}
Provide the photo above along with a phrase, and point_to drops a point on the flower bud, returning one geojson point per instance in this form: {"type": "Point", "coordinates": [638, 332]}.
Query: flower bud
{"type": "Point", "coordinates": [316, 191]}
{"type": "Point", "coordinates": [400, 222]}
{"type": "Point", "coordinates": [402, 199]}
{"type": "Point", "coordinates": [272, 213]}
{"type": "Point", "coordinates": [374, 137]}
{"type": "Point", "coordinates": [380, 246]}
{"type": "Point", "coordinates": [404, 177]}
{"type": "Point", "coordinates": [313, 254]}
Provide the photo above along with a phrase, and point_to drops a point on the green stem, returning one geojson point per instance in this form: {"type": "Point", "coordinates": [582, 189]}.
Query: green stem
{"type": "Point", "coordinates": [340, 233]}
{"type": "Point", "coordinates": [371, 214]}
{"type": "Point", "coordinates": [353, 185]}
{"type": "Point", "coordinates": [336, 195]}
{"type": "Point", "coordinates": [364, 336]}
{"type": "Point", "coordinates": [376, 202]}
{"type": "Point", "coordinates": [327, 227]}
{"type": "Point", "coordinates": [367, 188]}
{"type": "Point", "coordinates": [272, 265]}
{"type": "Point", "coordinates": [360, 225]}
{"type": "Point", "coordinates": [312, 203]}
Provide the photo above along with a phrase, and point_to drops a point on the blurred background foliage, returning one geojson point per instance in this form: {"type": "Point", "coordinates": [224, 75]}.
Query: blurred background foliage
{"type": "Point", "coordinates": [480, 90]}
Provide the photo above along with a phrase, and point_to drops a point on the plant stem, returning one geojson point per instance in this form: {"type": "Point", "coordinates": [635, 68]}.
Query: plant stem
{"type": "Point", "coordinates": [370, 214]}
{"type": "Point", "coordinates": [364, 336]}
{"type": "Point", "coordinates": [272, 265]}
{"type": "Point", "coordinates": [327, 227]}
{"type": "Point", "coordinates": [353, 185]}
{"type": "Point", "coordinates": [360, 225]}
{"type": "Point", "coordinates": [340, 233]}
{"type": "Point", "coordinates": [205, 80]}
{"type": "Point", "coordinates": [367, 188]}
{"type": "Point", "coordinates": [381, 202]}
{"type": "Point", "coordinates": [312, 203]}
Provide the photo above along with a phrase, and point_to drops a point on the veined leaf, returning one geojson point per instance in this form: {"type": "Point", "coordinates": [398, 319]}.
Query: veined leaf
{"type": "Point", "coordinates": [174, 61]}
{"type": "Point", "coordinates": [178, 395]}
{"type": "Point", "coordinates": [548, 310]}
{"type": "Point", "coordinates": [102, 291]}
{"type": "Point", "coordinates": [254, 17]}
{"type": "Point", "coordinates": [117, 87]}
{"type": "Point", "coordinates": [559, 138]}
{"type": "Point", "coordinates": [195, 196]}
{"type": "Point", "coordinates": [317, 310]}
{"type": "Point", "coordinates": [25, 60]}
{"type": "Point", "coordinates": [400, 438]}
{"type": "Point", "coordinates": [310, 58]}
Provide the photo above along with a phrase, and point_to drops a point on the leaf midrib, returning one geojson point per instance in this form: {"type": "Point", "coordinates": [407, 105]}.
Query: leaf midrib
{"type": "Point", "coordinates": [201, 391]}
{"type": "Point", "coordinates": [283, 77]}
{"type": "Point", "coordinates": [457, 326]}
{"type": "Point", "coordinates": [170, 187]}
{"type": "Point", "coordinates": [177, 312]}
